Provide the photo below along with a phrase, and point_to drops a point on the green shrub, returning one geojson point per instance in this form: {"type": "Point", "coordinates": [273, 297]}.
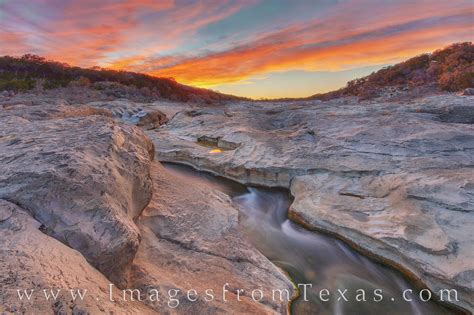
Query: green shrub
{"type": "Point", "coordinates": [16, 84]}
{"type": "Point", "coordinates": [21, 73]}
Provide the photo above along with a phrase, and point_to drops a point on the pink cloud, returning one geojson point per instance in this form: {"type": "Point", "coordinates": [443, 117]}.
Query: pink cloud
{"type": "Point", "coordinates": [88, 32]}
{"type": "Point", "coordinates": [138, 35]}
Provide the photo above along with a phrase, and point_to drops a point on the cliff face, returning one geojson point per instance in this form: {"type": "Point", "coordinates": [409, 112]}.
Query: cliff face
{"type": "Point", "coordinates": [83, 205]}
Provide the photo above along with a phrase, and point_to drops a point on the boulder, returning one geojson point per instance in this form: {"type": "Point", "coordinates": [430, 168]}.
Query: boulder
{"type": "Point", "coordinates": [468, 91]}
{"type": "Point", "coordinates": [152, 120]}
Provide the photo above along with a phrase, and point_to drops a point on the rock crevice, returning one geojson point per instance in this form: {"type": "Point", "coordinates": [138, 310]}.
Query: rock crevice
{"type": "Point", "coordinates": [83, 202]}
{"type": "Point", "coordinates": [388, 177]}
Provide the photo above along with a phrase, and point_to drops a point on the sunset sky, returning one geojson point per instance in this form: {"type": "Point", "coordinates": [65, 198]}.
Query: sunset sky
{"type": "Point", "coordinates": [251, 48]}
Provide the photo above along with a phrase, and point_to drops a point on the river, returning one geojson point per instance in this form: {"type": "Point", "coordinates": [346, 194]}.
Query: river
{"type": "Point", "coordinates": [309, 257]}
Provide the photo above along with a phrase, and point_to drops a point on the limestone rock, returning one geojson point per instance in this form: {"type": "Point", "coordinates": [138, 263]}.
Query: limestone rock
{"type": "Point", "coordinates": [152, 120]}
{"type": "Point", "coordinates": [468, 91]}
{"type": "Point", "coordinates": [192, 240]}
{"type": "Point", "coordinates": [73, 187]}
{"type": "Point", "coordinates": [84, 178]}
{"type": "Point", "coordinates": [420, 221]}
{"type": "Point", "coordinates": [140, 114]}
{"type": "Point", "coordinates": [31, 260]}
{"type": "Point", "coordinates": [420, 152]}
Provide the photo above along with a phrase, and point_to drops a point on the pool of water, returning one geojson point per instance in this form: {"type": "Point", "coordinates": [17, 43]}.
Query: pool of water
{"type": "Point", "coordinates": [314, 258]}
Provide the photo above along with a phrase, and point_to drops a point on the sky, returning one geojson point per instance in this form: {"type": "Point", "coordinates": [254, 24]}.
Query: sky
{"type": "Point", "coordinates": [252, 48]}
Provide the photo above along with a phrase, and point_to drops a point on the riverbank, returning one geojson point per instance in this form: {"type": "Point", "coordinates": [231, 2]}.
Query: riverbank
{"type": "Point", "coordinates": [394, 178]}
{"type": "Point", "coordinates": [331, 277]}
{"type": "Point", "coordinates": [85, 208]}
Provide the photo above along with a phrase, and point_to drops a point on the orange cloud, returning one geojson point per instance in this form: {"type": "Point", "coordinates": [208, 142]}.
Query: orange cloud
{"type": "Point", "coordinates": [139, 35]}
{"type": "Point", "coordinates": [322, 46]}
{"type": "Point", "coordinates": [11, 42]}
{"type": "Point", "coordinates": [92, 32]}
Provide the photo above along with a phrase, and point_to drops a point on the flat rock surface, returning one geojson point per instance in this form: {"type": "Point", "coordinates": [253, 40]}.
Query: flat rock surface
{"type": "Point", "coordinates": [394, 178]}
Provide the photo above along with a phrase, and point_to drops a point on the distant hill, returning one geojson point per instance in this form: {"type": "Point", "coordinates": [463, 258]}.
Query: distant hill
{"type": "Point", "coordinates": [29, 71]}
{"type": "Point", "coordinates": [448, 69]}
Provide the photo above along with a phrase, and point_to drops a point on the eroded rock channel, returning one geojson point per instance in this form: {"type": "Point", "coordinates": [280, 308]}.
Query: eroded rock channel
{"type": "Point", "coordinates": [394, 179]}
{"type": "Point", "coordinates": [313, 258]}
{"type": "Point", "coordinates": [85, 204]}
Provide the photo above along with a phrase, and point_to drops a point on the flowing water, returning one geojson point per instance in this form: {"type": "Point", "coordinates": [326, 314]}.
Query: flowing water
{"type": "Point", "coordinates": [309, 257]}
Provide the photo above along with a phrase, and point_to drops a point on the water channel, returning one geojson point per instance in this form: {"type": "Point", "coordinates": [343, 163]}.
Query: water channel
{"type": "Point", "coordinates": [309, 257]}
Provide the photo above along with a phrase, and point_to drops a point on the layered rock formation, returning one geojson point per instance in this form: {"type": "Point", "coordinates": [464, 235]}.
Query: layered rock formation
{"type": "Point", "coordinates": [73, 189]}
{"type": "Point", "coordinates": [85, 179]}
{"type": "Point", "coordinates": [395, 179]}
{"type": "Point", "coordinates": [191, 239]}
{"type": "Point", "coordinates": [31, 261]}
{"type": "Point", "coordinates": [140, 114]}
